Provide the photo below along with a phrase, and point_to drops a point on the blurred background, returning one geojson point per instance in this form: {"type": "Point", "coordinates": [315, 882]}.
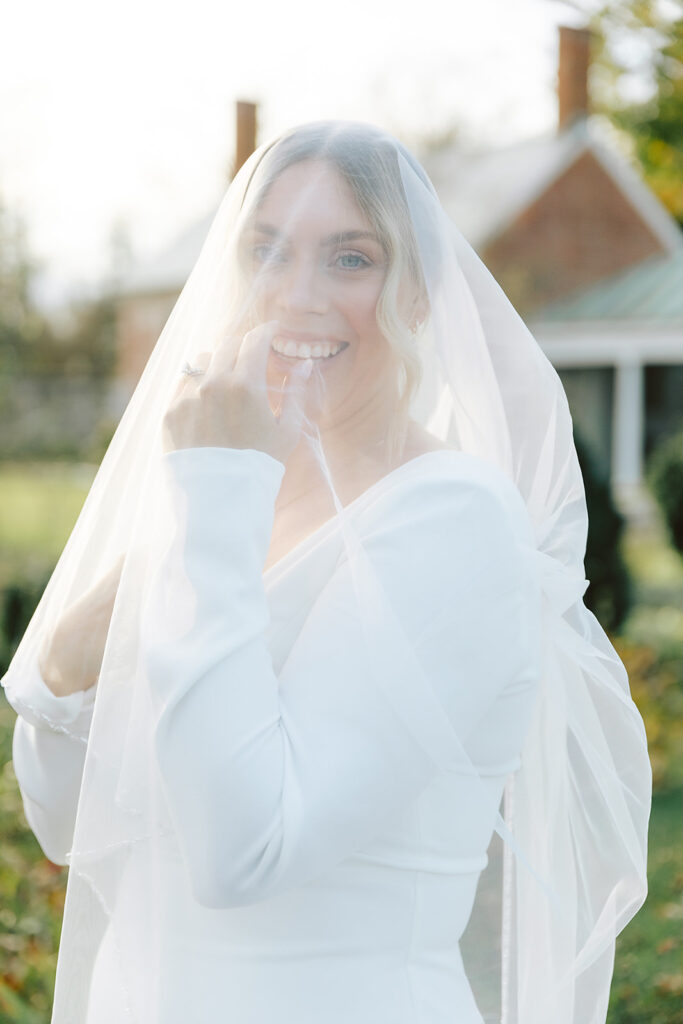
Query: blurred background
{"type": "Point", "coordinates": [553, 132]}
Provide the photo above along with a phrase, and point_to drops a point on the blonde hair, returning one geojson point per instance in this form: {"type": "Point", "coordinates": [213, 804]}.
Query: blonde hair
{"type": "Point", "coordinates": [366, 159]}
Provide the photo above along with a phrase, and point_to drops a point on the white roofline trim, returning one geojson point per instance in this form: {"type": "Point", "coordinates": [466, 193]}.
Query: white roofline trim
{"type": "Point", "coordinates": [662, 223]}
{"type": "Point", "coordinates": [568, 345]}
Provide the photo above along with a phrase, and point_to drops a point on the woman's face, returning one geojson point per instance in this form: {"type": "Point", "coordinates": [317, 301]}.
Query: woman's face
{"type": "Point", "coordinates": [318, 269]}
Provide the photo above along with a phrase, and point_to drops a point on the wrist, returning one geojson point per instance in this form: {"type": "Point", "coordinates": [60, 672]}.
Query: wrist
{"type": "Point", "coordinates": [59, 679]}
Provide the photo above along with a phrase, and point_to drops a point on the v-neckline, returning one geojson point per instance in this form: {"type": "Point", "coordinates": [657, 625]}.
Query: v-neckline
{"type": "Point", "coordinates": [282, 564]}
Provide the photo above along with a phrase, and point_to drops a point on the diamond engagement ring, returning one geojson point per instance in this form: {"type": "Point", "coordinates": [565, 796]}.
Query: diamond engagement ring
{"type": "Point", "coordinates": [191, 371]}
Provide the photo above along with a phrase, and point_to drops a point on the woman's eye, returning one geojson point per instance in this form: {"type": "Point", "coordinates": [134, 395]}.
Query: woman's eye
{"type": "Point", "coordinates": [356, 260]}
{"type": "Point", "coordinates": [267, 253]}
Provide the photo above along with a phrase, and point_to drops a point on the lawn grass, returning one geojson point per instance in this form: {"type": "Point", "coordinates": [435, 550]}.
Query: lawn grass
{"type": "Point", "coordinates": [647, 987]}
{"type": "Point", "coordinates": [39, 507]}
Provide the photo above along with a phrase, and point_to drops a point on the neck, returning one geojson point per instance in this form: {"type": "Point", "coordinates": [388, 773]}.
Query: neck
{"type": "Point", "coordinates": [358, 440]}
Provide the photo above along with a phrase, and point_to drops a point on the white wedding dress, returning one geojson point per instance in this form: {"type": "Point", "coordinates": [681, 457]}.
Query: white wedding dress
{"type": "Point", "coordinates": [327, 851]}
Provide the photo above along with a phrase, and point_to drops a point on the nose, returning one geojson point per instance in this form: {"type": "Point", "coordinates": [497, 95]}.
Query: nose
{"type": "Point", "coordinates": [301, 288]}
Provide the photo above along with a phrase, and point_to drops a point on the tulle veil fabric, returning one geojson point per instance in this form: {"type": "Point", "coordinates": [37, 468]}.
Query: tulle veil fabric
{"type": "Point", "coordinates": [567, 863]}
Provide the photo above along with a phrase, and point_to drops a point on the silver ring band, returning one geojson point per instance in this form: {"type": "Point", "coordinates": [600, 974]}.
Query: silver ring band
{"type": "Point", "coordinates": [191, 371]}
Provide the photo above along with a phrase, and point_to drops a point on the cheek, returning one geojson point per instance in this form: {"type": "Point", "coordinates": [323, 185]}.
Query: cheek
{"type": "Point", "coordinates": [260, 300]}
{"type": "Point", "coordinates": [360, 309]}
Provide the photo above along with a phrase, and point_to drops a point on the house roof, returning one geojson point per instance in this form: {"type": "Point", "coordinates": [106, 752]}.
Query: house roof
{"type": "Point", "coordinates": [170, 268]}
{"type": "Point", "coordinates": [652, 291]}
{"type": "Point", "coordinates": [483, 192]}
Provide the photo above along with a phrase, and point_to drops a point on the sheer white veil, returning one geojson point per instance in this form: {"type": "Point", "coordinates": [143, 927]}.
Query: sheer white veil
{"type": "Point", "coordinates": [567, 862]}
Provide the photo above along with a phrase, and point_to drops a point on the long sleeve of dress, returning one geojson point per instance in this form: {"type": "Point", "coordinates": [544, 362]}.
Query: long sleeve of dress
{"type": "Point", "coordinates": [271, 780]}
{"type": "Point", "coordinates": [49, 764]}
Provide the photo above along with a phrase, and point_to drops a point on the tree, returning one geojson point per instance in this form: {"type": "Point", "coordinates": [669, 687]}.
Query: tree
{"type": "Point", "coordinates": [32, 344]}
{"type": "Point", "coordinates": [637, 84]}
{"type": "Point", "coordinates": [24, 331]}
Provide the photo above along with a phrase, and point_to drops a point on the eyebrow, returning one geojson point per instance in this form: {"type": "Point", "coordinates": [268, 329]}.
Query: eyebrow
{"type": "Point", "coordinates": [336, 236]}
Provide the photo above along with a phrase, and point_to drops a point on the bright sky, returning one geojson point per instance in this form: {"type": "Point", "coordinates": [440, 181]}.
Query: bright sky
{"type": "Point", "coordinates": [126, 110]}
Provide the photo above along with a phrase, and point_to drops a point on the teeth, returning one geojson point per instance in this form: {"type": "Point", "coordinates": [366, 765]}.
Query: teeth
{"type": "Point", "coordinates": [301, 350]}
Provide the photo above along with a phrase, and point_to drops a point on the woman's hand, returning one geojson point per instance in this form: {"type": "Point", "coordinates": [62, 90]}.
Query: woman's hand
{"type": "Point", "coordinates": [227, 406]}
{"type": "Point", "coordinates": [71, 656]}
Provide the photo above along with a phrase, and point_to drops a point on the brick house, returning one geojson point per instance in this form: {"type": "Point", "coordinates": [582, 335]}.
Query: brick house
{"type": "Point", "coordinates": [593, 262]}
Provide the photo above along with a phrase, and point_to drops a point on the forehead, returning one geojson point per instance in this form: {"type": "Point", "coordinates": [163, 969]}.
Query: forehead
{"type": "Point", "coordinates": [310, 197]}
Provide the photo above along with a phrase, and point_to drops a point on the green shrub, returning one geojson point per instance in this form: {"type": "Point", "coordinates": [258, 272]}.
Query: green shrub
{"type": "Point", "coordinates": [610, 594]}
{"type": "Point", "coordinates": [664, 476]}
{"type": "Point", "coordinates": [18, 601]}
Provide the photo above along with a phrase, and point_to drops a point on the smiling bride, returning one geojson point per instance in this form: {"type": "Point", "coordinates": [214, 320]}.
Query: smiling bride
{"type": "Point", "coordinates": [312, 706]}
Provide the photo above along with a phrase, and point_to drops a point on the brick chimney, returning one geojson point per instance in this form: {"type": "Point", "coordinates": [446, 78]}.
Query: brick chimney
{"type": "Point", "coordinates": [572, 76]}
{"type": "Point", "coordinates": [245, 132]}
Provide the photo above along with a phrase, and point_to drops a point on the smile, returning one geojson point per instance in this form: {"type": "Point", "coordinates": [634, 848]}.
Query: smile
{"type": "Point", "coordinates": [304, 350]}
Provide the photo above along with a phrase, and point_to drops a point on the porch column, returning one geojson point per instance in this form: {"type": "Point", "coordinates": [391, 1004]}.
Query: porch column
{"type": "Point", "coordinates": [627, 426]}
